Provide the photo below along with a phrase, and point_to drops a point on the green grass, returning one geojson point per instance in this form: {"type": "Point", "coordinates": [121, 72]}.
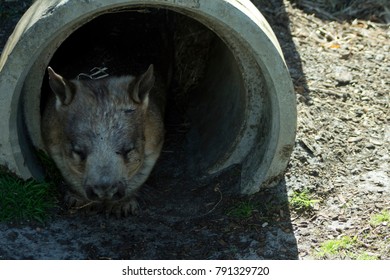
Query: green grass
{"type": "Point", "coordinates": [23, 201]}
{"type": "Point", "coordinates": [366, 257]}
{"type": "Point", "coordinates": [337, 247]}
{"type": "Point", "coordinates": [243, 210]}
{"type": "Point", "coordinates": [302, 201]}
{"type": "Point", "coordinates": [356, 247]}
{"type": "Point", "coordinates": [346, 246]}
{"type": "Point", "coordinates": [380, 218]}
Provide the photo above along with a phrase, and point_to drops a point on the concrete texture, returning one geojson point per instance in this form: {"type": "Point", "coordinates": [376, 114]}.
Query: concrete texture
{"type": "Point", "coordinates": [265, 102]}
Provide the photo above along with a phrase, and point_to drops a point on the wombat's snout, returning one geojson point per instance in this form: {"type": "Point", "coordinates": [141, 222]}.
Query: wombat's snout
{"type": "Point", "coordinates": [105, 192]}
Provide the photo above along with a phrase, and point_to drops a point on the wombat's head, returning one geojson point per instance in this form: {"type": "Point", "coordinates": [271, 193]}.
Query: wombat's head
{"type": "Point", "coordinates": [101, 133]}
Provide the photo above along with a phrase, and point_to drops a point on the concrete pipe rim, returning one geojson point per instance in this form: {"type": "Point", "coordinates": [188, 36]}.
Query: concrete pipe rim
{"type": "Point", "coordinates": [238, 23]}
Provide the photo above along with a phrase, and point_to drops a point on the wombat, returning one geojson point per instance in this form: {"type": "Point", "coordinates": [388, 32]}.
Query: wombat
{"type": "Point", "coordinates": [105, 136]}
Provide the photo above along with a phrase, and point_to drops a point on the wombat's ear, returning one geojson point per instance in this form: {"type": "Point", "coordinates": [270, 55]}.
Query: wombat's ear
{"type": "Point", "coordinates": [63, 89]}
{"type": "Point", "coordinates": [142, 86]}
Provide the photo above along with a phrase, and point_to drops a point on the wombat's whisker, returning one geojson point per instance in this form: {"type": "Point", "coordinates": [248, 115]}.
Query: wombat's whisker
{"type": "Point", "coordinates": [83, 206]}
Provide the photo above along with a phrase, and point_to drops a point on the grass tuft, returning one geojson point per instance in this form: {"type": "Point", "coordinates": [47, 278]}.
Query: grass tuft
{"type": "Point", "coordinates": [242, 210]}
{"type": "Point", "coordinates": [22, 201]}
{"type": "Point", "coordinates": [381, 218]}
{"type": "Point", "coordinates": [302, 201]}
{"type": "Point", "coordinates": [337, 246]}
{"type": "Point", "coordinates": [366, 257]}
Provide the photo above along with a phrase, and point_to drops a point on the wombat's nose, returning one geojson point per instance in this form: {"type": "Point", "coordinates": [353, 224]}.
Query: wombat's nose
{"type": "Point", "coordinates": [119, 194]}
{"type": "Point", "coordinates": [93, 193]}
{"type": "Point", "coordinates": [105, 192]}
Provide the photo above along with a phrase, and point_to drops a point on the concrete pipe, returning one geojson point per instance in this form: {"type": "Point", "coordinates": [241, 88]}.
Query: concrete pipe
{"type": "Point", "coordinates": [241, 108]}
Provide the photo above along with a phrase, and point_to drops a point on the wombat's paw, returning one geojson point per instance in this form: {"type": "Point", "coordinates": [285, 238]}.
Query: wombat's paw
{"type": "Point", "coordinates": [134, 207]}
{"type": "Point", "coordinates": [124, 208]}
{"type": "Point", "coordinates": [75, 203]}
{"type": "Point", "coordinates": [128, 207]}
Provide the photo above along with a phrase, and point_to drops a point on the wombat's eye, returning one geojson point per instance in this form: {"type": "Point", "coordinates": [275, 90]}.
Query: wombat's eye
{"type": "Point", "coordinates": [128, 111]}
{"type": "Point", "coordinates": [82, 155]}
{"type": "Point", "coordinates": [79, 152]}
{"type": "Point", "coordinates": [125, 151]}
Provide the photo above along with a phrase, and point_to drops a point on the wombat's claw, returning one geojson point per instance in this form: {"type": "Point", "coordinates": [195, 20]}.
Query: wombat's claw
{"type": "Point", "coordinates": [72, 201]}
{"type": "Point", "coordinates": [131, 207]}
{"type": "Point", "coordinates": [123, 209]}
{"type": "Point", "coordinates": [74, 204]}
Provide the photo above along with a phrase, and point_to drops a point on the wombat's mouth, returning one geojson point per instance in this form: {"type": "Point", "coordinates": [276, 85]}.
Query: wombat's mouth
{"type": "Point", "coordinates": [96, 199]}
{"type": "Point", "coordinates": [78, 201]}
{"type": "Point", "coordinates": [103, 193]}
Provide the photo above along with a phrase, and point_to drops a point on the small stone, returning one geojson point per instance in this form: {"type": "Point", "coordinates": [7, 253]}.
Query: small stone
{"type": "Point", "coordinates": [355, 171]}
{"type": "Point", "coordinates": [376, 142]}
{"type": "Point", "coordinates": [370, 146]}
{"type": "Point", "coordinates": [342, 219]}
{"type": "Point", "coordinates": [380, 57]}
{"type": "Point", "coordinates": [355, 139]}
{"type": "Point", "coordinates": [360, 47]}
{"type": "Point", "coordinates": [345, 54]}
{"type": "Point", "coordinates": [342, 75]}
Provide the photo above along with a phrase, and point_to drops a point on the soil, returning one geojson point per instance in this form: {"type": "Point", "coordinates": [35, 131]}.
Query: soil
{"type": "Point", "coordinates": [340, 68]}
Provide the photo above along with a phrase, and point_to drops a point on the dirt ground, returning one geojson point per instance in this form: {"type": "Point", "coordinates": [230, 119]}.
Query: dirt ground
{"type": "Point", "coordinates": [340, 67]}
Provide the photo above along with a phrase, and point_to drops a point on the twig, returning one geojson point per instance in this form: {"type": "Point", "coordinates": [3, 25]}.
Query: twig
{"type": "Point", "coordinates": [216, 189]}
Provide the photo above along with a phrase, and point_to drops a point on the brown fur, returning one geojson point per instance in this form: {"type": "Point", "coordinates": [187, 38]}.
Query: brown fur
{"type": "Point", "coordinates": [105, 136]}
